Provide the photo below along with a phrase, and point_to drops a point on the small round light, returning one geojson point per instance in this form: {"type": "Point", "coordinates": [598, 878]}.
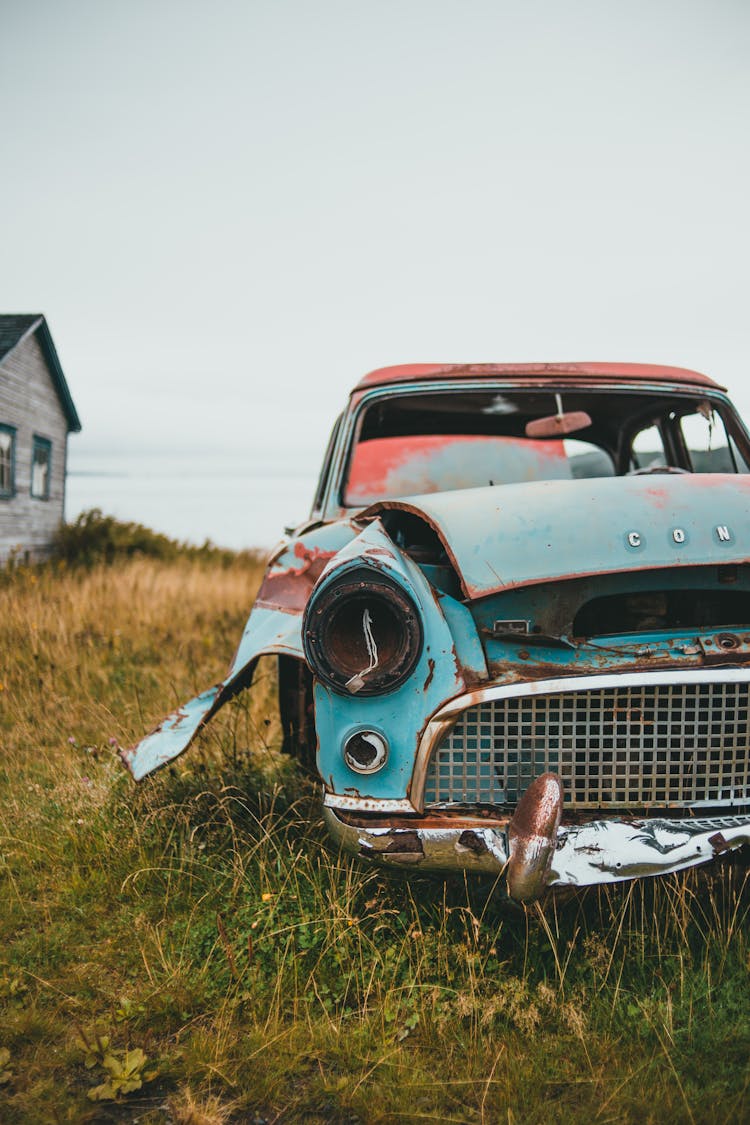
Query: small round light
{"type": "Point", "coordinates": [366, 751]}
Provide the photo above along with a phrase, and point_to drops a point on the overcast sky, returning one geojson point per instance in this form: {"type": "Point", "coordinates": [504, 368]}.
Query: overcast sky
{"type": "Point", "coordinates": [229, 211]}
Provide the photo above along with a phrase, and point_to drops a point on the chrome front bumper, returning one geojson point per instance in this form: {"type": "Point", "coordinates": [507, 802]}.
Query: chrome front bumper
{"type": "Point", "coordinates": [574, 855]}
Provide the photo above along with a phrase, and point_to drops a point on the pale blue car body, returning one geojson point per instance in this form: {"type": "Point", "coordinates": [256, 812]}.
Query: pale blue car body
{"type": "Point", "coordinates": [513, 550]}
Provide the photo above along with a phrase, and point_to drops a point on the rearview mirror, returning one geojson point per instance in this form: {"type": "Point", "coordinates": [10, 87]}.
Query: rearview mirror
{"type": "Point", "coordinates": [558, 425]}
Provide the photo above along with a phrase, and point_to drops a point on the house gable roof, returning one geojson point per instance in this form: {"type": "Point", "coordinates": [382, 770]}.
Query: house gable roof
{"type": "Point", "coordinates": [14, 328]}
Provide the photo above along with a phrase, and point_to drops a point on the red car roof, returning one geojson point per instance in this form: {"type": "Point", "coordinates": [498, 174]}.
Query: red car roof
{"type": "Point", "coordinates": [602, 372]}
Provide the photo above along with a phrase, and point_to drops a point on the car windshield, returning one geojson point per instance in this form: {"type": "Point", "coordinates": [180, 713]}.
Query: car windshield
{"type": "Point", "coordinates": [411, 444]}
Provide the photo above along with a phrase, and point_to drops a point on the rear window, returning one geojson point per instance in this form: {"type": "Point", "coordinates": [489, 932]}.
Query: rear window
{"type": "Point", "coordinates": [388, 467]}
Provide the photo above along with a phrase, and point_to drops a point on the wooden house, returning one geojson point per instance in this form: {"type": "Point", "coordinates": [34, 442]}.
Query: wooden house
{"type": "Point", "coordinates": [36, 416]}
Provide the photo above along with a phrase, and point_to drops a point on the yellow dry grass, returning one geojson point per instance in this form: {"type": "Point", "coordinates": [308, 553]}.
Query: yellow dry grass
{"type": "Point", "coordinates": [202, 919]}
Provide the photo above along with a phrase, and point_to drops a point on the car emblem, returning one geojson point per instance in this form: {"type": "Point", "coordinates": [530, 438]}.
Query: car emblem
{"type": "Point", "coordinates": [679, 536]}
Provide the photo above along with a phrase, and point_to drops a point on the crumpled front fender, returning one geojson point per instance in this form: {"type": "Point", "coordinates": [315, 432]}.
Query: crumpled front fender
{"type": "Point", "coordinates": [273, 628]}
{"type": "Point", "coordinates": [268, 632]}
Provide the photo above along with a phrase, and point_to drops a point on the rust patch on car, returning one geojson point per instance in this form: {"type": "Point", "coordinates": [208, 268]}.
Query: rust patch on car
{"type": "Point", "coordinates": [473, 842]}
{"type": "Point", "coordinates": [438, 818]}
{"type": "Point", "coordinates": [538, 811]}
{"type": "Point", "coordinates": [404, 840]}
{"type": "Point", "coordinates": [289, 589]}
{"type": "Point", "coordinates": [399, 846]}
{"type": "Point", "coordinates": [532, 835]}
{"type": "Point", "coordinates": [719, 843]}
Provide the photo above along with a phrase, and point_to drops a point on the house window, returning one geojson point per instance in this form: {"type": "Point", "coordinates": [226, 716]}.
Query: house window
{"type": "Point", "coordinates": [41, 466]}
{"type": "Point", "coordinates": [7, 460]}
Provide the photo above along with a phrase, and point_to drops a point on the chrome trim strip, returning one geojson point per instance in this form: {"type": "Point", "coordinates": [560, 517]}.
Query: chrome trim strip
{"type": "Point", "coordinates": [368, 804]}
{"type": "Point", "coordinates": [445, 717]}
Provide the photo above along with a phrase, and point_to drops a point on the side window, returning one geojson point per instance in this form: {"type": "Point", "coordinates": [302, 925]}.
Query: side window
{"type": "Point", "coordinates": [587, 460]}
{"type": "Point", "coordinates": [41, 466]}
{"type": "Point", "coordinates": [740, 462]}
{"type": "Point", "coordinates": [325, 472]}
{"type": "Point", "coordinates": [647, 449]}
{"type": "Point", "coordinates": [707, 443]}
{"type": "Point", "coordinates": [7, 461]}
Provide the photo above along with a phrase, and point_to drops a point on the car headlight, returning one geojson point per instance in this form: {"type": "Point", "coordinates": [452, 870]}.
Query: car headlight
{"type": "Point", "coordinates": [362, 633]}
{"type": "Point", "coordinates": [366, 751]}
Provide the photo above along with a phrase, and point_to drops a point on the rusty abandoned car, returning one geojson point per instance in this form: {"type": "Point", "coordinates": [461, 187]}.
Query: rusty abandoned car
{"type": "Point", "coordinates": [514, 635]}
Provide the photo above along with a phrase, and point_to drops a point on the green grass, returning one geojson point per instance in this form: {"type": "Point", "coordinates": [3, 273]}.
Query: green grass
{"type": "Point", "coordinates": [204, 918]}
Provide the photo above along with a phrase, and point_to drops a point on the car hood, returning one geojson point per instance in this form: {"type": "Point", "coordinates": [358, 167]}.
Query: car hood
{"type": "Point", "coordinates": [520, 534]}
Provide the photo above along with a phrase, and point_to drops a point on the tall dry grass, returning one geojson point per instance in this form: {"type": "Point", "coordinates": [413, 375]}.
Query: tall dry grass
{"type": "Point", "coordinates": [203, 918]}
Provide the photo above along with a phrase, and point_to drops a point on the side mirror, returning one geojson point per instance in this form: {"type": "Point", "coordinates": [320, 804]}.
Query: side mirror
{"type": "Point", "coordinates": [558, 425]}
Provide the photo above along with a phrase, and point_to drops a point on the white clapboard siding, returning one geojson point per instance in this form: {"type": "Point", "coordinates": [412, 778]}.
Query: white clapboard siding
{"type": "Point", "coordinates": [29, 401]}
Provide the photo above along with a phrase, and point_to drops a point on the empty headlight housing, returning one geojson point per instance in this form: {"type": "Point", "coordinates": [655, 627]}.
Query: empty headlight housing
{"type": "Point", "coordinates": [362, 633]}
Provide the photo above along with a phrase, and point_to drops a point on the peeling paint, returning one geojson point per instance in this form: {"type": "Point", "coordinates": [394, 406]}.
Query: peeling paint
{"type": "Point", "coordinates": [288, 587]}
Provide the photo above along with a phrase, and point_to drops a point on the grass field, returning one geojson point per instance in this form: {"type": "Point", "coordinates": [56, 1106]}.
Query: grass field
{"type": "Point", "coordinates": [192, 950]}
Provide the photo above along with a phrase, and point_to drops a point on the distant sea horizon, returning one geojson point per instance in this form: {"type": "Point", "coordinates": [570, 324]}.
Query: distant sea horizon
{"type": "Point", "coordinates": [234, 500]}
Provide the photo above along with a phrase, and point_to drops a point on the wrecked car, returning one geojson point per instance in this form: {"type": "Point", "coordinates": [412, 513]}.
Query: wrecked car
{"type": "Point", "coordinates": [513, 636]}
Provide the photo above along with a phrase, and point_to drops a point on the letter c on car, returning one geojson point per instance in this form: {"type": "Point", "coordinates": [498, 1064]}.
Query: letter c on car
{"type": "Point", "coordinates": [634, 538]}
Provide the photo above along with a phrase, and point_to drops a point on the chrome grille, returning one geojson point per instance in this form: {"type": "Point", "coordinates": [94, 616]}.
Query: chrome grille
{"type": "Point", "coordinates": [626, 747]}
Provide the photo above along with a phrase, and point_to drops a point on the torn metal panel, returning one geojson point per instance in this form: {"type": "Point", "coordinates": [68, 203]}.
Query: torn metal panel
{"type": "Point", "coordinates": [267, 632]}
{"type": "Point", "coordinates": [172, 735]}
{"type": "Point", "coordinates": [272, 628]}
{"type": "Point", "coordinates": [289, 581]}
{"type": "Point", "coordinates": [297, 564]}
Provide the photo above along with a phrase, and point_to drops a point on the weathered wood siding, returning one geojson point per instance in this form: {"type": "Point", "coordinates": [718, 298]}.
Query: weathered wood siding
{"type": "Point", "coordinates": [29, 401]}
